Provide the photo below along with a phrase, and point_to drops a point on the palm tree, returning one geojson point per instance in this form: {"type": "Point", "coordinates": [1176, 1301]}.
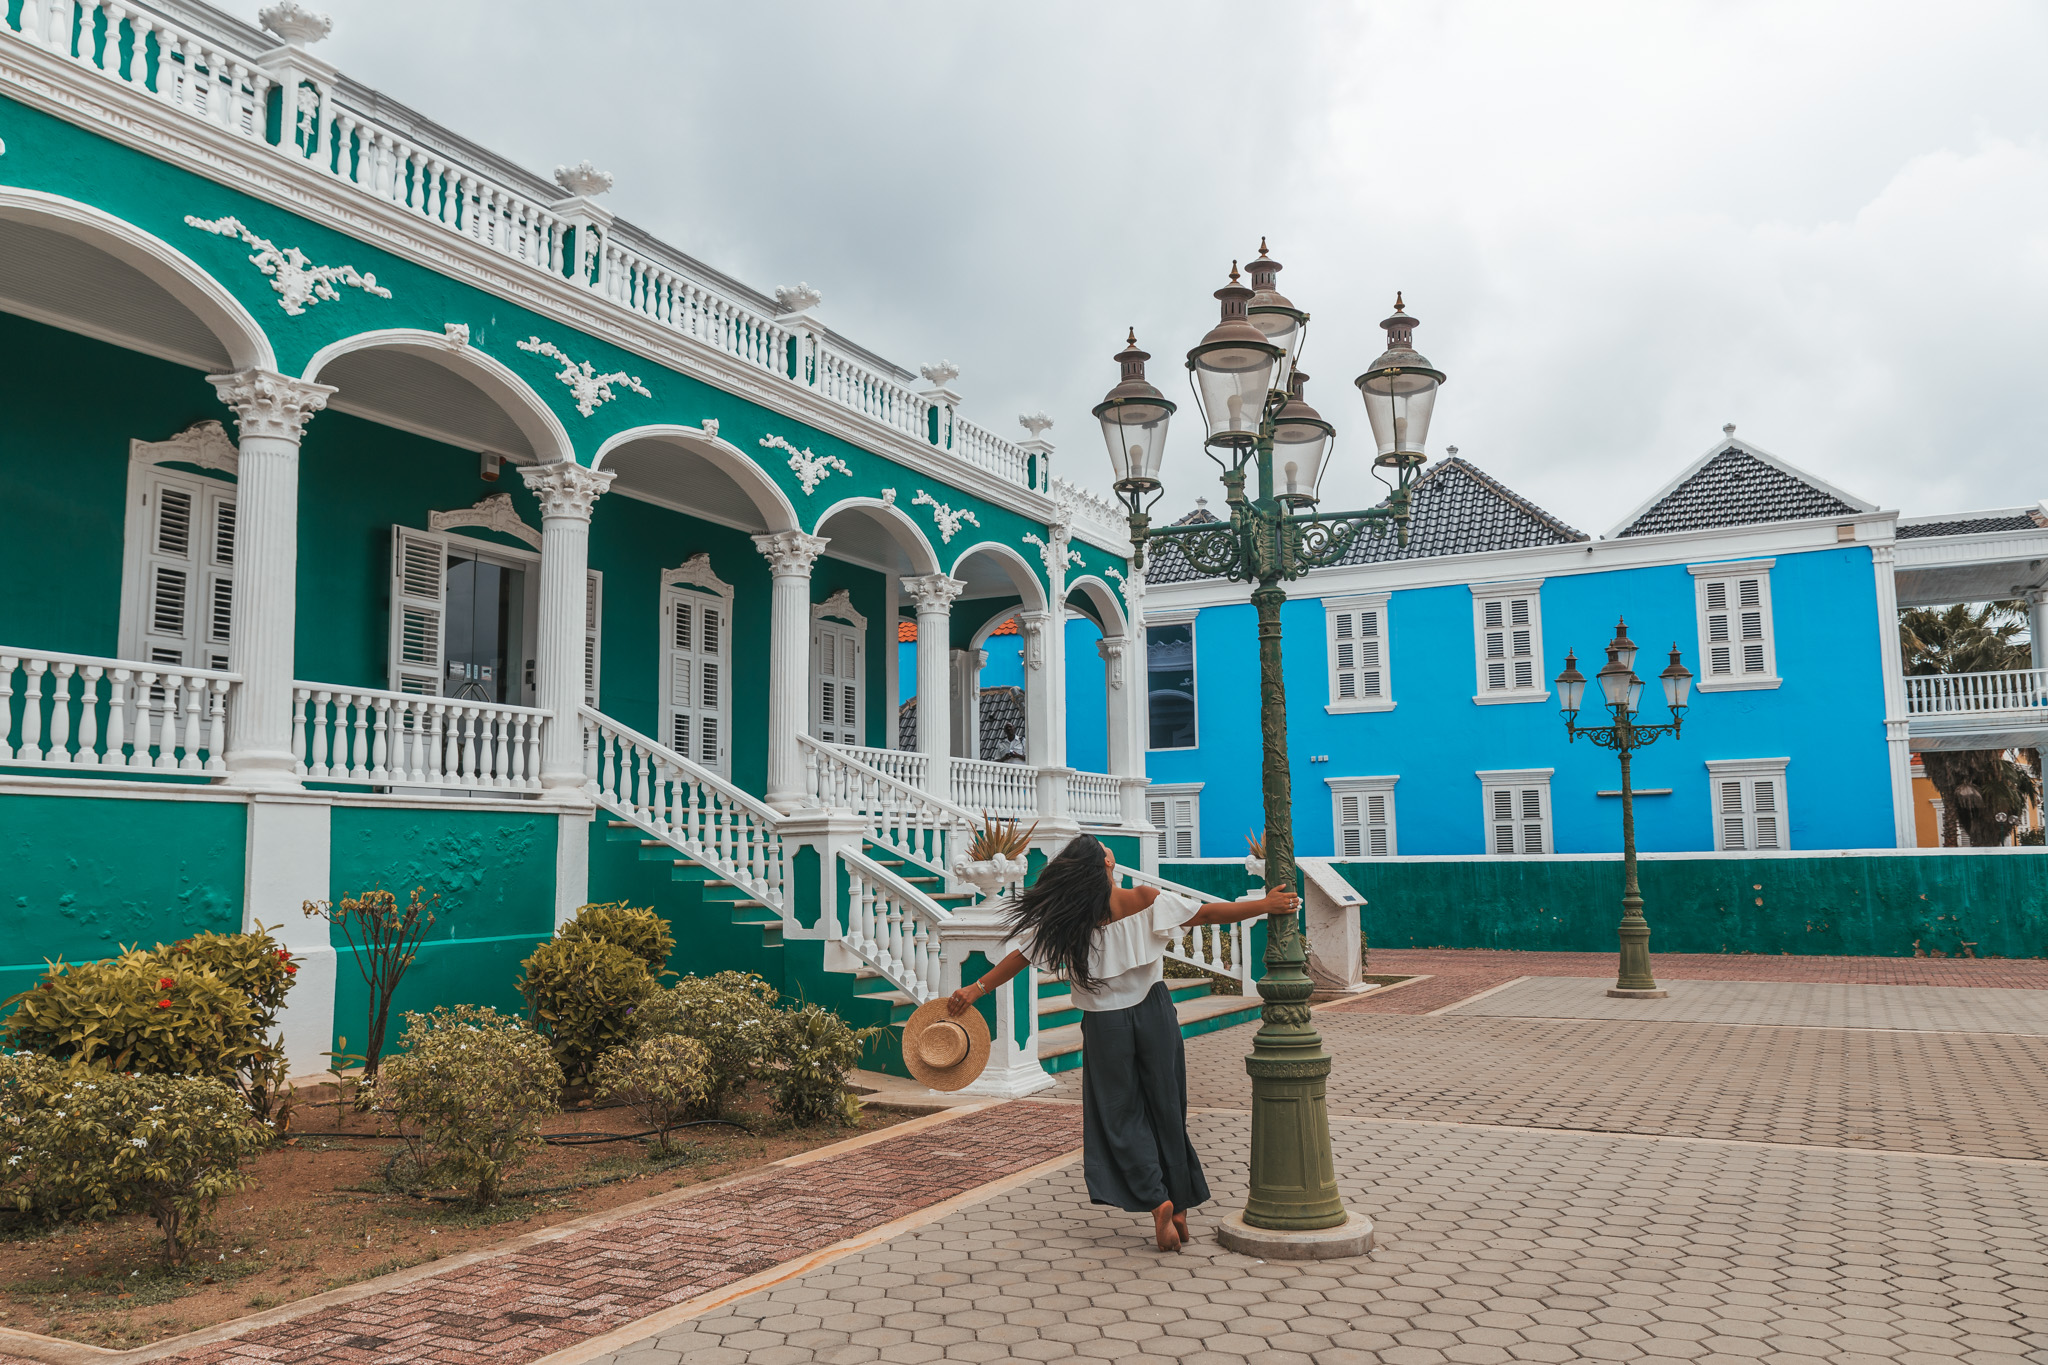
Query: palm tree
{"type": "Point", "coordinates": [1984, 794]}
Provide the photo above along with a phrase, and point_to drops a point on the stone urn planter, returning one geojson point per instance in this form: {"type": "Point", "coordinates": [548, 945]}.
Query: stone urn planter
{"type": "Point", "coordinates": [1255, 867]}
{"type": "Point", "coordinates": [990, 876]}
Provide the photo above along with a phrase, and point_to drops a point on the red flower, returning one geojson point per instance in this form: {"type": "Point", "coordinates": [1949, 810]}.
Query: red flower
{"type": "Point", "coordinates": [163, 1004]}
{"type": "Point", "coordinates": [291, 971]}
{"type": "Point", "coordinates": [284, 955]}
{"type": "Point", "coordinates": [166, 982]}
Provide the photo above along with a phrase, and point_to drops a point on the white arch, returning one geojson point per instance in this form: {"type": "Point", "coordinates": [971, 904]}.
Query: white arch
{"type": "Point", "coordinates": [542, 429]}
{"type": "Point", "coordinates": [769, 500]}
{"type": "Point", "coordinates": [1107, 607]}
{"type": "Point", "coordinates": [988, 628]}
{"type": "Point", "coordinates": [1014, 565]}
{"type": "Point", "coordinates": [218, 310]}
{"type": "Point", "coordinates": [907, 534]}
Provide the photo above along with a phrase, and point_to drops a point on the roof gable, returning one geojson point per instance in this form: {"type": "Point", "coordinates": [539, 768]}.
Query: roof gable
{"type": "Point", "coordinates": [1737, 484]}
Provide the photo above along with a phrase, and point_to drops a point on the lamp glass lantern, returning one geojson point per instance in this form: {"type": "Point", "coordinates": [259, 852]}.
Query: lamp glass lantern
{"type": "Point", "coordinates": [1571, 685]}
{"type": "Point", "coordinates": [1677, 680]}
{"type": "Point", "coordinates": [1134, 416]}
{"type": "Point", "coordinates": [1400, 393]}
{"type": "Point", "coordinates": [1233, 370]}
{"type": "Point", "coordinates": [1613, 678]}
{"type": "Point", "coordinates": [1301, 444]}
{"type": "Point", "coordinates": [1275, 315]}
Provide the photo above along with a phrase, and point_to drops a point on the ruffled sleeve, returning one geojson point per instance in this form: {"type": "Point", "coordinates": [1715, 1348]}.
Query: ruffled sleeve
{"type": "Point", "coordinates": [1169, 912]}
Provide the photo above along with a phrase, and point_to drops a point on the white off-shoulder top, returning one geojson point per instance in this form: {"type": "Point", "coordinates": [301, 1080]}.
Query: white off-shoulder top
{"type": "Point", "coordinates": [1127, 954]}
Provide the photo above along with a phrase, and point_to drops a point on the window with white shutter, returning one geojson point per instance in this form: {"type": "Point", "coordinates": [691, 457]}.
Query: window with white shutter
{"type": "Point", "coordinates": [1362, 816]}
{"type": "Point", "coordinates": [1175, 811]}
{"type": "Point", "coordinates": [1515, 809]}
{"type": "Point", "coordinates": [1507, 640]}
{"type": "Point", "coordinates": [464, 621]}
{"type": "Point", "coordinates": [419, 611]}
{"type": "Point", "coordinates": [1738, 647]}
{"type": "Point", "coordinates": [1355, 630]}
{"type": "Point", "coordinates": [593, 634]}
{"type": "Point", "coordinates": [1748, 797]}
{"type": "Point", "coordinates": [182, 578]}
{"type": "Point", "coordinates": [696, 685]}
{"type": "Point", "coordinates": [838, 655]}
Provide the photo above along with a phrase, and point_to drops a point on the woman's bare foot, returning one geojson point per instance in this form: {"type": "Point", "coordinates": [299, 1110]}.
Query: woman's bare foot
{"type": "Point", "coordinates": [1165, 1230]}
{"type": "Point", "coordinates": [1180, 1227]}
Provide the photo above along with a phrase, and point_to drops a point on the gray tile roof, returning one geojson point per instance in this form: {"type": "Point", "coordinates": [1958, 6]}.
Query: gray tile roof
{"type": "Point", "coordinates": [1457, 509]}
{"type": "Point", "coordinates": [1000, 707]}
{"type": "Point", "coordinates": [1969, 526]}
{"type": "Point", "coordinates": [1735, 488]}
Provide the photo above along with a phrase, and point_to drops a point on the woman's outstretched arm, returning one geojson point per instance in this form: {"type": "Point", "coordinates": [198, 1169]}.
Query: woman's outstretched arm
{"type": "Point", "coordinates": [964, 998]}
{"type": "Point", "coordinates": [1230, 912]}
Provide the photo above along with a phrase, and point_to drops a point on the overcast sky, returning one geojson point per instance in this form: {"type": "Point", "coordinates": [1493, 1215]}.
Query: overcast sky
{"type": "Point", "coordinates": [1621, 225]}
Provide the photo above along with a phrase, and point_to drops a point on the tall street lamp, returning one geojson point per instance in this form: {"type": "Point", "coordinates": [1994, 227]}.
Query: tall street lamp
{"type": "Point", "coordinates": [1249, 390]}
{"type": "Point", "coordinates": [1622, 691]}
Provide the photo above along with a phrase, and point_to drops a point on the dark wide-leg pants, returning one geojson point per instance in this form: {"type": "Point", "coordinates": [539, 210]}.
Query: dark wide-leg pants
{"type": "Point", "coordinates": [1134, 1108]}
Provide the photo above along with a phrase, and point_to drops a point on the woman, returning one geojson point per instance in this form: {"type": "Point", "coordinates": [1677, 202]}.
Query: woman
{"type": "Point", "coordinates": [1110, 944]}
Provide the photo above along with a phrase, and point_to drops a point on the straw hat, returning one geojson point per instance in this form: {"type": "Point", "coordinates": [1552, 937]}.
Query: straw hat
{"type": "Point", "coordinates": [944, 1052]}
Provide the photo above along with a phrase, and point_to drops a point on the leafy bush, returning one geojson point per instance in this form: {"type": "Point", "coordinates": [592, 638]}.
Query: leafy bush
{"type": "Point", "coordinates": [640, 932]}
{"type": "Point", "coordinates": [469, 1090]}
{"type": "Point", "coordinates": [27, 1083]}
{"type": "Point", "coordinates": [662, 1080]}
{"type": "Point", "coordinates": [812, 1050]}
{"type": "Point", "coordinates": [732, 1014]}
{"type": "Point", "coordinates": [255, 964]}
{"type": "Point", "coordinates": [138, 1012]}
{"type": "Point", "coordinates": [583, 993]}
{"type": "Point", "coordinates": [106, 1143]}
{"type": "Point", "coordinates": [384, 941]}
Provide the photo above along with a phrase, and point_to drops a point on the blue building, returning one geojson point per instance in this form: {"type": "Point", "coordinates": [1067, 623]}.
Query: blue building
{"type": "Point", "coordinates": [1422, 715]}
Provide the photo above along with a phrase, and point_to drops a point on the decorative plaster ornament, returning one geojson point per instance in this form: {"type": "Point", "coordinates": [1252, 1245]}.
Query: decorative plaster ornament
{"type": "Point", "coordinates": [295, 23]}
{"type": "Point", "coordinates": [941, 374]}
{"type": "Point", "coordinates": [592, 390]}
{"type": "Point", "coordinates": [1037, 423]}
{"type": "Point", "coordinates": [583, 178]}
{"type": "Point", "coordinates": [205, 444]}
{"type": "Point", "coordinates": [457, 334]}
{"type": "Point", "coordinates": [1123, 585]}
{"type": "Point", "coordinates": [565, 488]}
{"type": "Point", "coordinates": [790, 552]}
{"type": "Point", "coordinates": [493, 513]}
{"type": "Point", "coordinates": [298, 283]}
{"type": "Point", "coordinates": [1049, 551]}
{"type": "Point", "coordinates": [811, 470]}
{"type": "Point", "coordinates": [888, 497]}
{"type": "Point", "coordinates": [798, 297]}
{"type": "Point", "coordinates": [948, 520]}
{"type": "Point", "coordinates": [710, 426]}
{"type": "Point", "coordinates": [268, 404]}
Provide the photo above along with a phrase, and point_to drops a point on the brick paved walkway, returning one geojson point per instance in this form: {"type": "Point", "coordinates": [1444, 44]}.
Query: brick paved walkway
{"type": "Point", "coordinates": [1773, 1004]}
{"type": "Point", "coordinates": [525, 1304]}
{"type": "Point", "coordinates": [1460, 973]}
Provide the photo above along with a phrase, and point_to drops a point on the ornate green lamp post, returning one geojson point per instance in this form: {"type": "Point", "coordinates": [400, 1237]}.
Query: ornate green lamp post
{"type": "Point", "coordinates": [1257, 421]}
{"type": "Point", "coordinates": [1622, 691]}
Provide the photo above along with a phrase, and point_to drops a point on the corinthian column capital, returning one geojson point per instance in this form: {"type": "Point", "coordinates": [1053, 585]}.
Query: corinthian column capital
{"type": "Point", "coordinates": [565, 488]}
{"type": "Point", "coordinates": [266, 403]}
{"type": "Point", "coordinates": [790, 554]}
{"type": "Point", "coordinates": [934, 591]}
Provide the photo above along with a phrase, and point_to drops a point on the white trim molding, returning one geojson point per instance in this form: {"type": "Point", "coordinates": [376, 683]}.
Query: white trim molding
{"type": "Point", "coordinates": [1507, 644]}
{"type": "Point", "coordinates": [1891, 659]}
{"type": "Point", "coordinates": [493, 512]}
{"type": "Point", "coordinates": [1731, 621]}
{"type": "Point", "coordinates": [1159, 799]}
{"type": "Point", "coordinates": [1363, 807]}
{"type": "Point", "coordinates": [1749, 799]}
{"type": "Point", "coordinates": [1358, 653]}
{"type": "Point", "coordinates": [1513, 804]}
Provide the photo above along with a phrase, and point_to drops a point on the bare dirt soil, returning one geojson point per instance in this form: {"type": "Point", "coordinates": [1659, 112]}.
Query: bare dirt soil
{"type": "Point", "coordinates": [318, 1215]}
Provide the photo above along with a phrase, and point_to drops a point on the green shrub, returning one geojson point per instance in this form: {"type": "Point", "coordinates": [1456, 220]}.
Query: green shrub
{"type": "Point", "coordinates": [469, 1090]}
{"type": "Point", "coordinates": [732, 1014]}
{"type": "Point", "coordinates": [662, 1080]}
{"type": "Point", "coordinates": [583, 993]}
{"type": "Point", "coordinates": [811, 1050]}
{"type": "Point", "coordinates": [27, 1083]}
{"type": "Point", "coordinates": [640, 932]}
{"type": "Point", "coordinates": [168, 1146]}
{"type": "Point", "coordinates": [255, 964]}
{"type": "Point", "coordinates": [138, 1012]}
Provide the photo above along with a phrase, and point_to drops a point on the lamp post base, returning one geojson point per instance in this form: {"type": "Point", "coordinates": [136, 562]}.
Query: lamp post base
{"type": "Point", "coordinates": [1352, 1237]}
{"type": "Point", "coordinates": [1638, 995]}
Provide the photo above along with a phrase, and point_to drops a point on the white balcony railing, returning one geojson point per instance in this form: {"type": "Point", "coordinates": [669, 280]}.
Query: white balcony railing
{"type": "Point", "coordinates": [1936, 694]}
{"type": "Point", "coordinates": [905, 765]}
{"type": "Point", "coordinates": [77, 711]}
{"type": "Point", "coordinates": [893, 927]}
{"type": "Point", "coordinates": [1006, 790]}
{"type": "Point", "coordinates": [1095, 798]}
{"type": "Point", "coordinates": [397, 739]}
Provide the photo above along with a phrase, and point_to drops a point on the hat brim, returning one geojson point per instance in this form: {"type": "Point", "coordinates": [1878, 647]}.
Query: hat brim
{"type": "Point", "coordinates": [961, 1073]}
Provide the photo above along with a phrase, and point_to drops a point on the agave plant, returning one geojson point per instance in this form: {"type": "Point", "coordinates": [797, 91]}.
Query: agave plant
{"type": "Point", "coordinates": [998, 838]}
{"type": "Point", "coordinates": [1257, 843]}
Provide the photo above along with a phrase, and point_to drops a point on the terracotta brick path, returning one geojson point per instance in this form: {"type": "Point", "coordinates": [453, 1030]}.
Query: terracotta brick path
{"type": "Point", "coordinates": [1460, 973]}
{"type": "Point", "coordinates": [542, 1298]}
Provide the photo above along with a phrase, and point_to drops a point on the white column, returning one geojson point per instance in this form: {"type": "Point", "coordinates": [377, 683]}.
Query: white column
{"type": "Point", "coordinates": [1122, 681]}
{"type": "Point", "coordinates": [892, 681]}
{"type": "Point", "coordinates": [1135, 702]}
{"type": "Point", "coordinates": [1899, 745]}
{"type": "Point", "coordinates": [271, 410]}
{"type": "Point", "coordinates": [966, 695]}
{"type": "Point", "coordinates": [933, 595]}
{"type": "Point", "coordinates": [288, 862]}
{"type": "Point", "coordinates": [2037, 624]}
{"type": "Point", "coordinates": [790, 555]}
{"type": "Point", "coordinates": [567, 492]}
{"type": "Point", "coordinates": [1045, 719]}
{"type": "Point", "coordinates": [1013, 1067]}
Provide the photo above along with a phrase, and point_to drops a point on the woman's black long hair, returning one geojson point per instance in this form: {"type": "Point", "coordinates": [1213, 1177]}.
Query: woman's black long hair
{"type": "Point", "coordinates": [1063, 909]}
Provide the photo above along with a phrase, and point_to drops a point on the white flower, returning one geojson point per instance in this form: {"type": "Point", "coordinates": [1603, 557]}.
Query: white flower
{"type": "Point", "coordinates": [138, 1142]}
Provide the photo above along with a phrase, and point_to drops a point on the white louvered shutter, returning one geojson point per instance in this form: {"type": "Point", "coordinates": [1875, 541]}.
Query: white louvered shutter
{"type": "Point", "coordinates": [1751, 812]}
{"type": "Point", "coordinates": [1508, 638]}
{"type": "Point", "coordinates": [188, 570]}
{"type": "Point", "coordinates": [1364, 826]}
{"type": "Point", "coordinates": [419, 611]}
{"type": "Point", "coordinates": [1175, 817]}
{"type": "Point", "coordinates": [694, 683]}
{"type": "Point", "coordinates": [1356, 672]}
{"type": "Point", "coordinates": [1738, 627]}
{"type": "Point", "coordinates": [593, 632]}
{"type": "Point", "coordinates": [836, 656]}
{"type": "Point", "coordinates": [1518, 820]}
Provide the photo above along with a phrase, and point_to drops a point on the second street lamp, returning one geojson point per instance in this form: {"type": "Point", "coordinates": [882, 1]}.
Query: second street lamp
{"type": "Point", "coordinates": [1256, 420]}
{"type": "Point", "coordinates": [1621, 692]}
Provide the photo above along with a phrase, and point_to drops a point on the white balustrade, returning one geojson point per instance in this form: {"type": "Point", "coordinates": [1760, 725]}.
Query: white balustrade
{"type": "Point", "coordinates": [905, 765]}
{"type": "Point", "coordinates": [893, 927]}
{"type": "Point", "coordinates": [1095, 798]}
{"type": "Point", "coordinates": [1221, 948]}
{"type": "Point", "coordinates": [398, 739]}
{"type": "Point", "coordinates": [690, 808]}
{"type": "Point", "coordinates": [152, 56]}
{"type": "Point", "coordinates": [113, 716]}
{"type": "Point", "coordinates": [911, 823]}
{"type": "Point", "coordinates": [1009, 790]}
{"type": "Point", "coordinates": [1934, 694]}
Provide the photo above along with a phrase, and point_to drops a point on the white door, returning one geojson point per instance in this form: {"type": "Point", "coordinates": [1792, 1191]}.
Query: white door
{"type": "Point", "coordinates": [837, 659]}
{"type": "Point", "coordinates": [695, 705]}
{"type": "Point", "coordinates": [188, 570]}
